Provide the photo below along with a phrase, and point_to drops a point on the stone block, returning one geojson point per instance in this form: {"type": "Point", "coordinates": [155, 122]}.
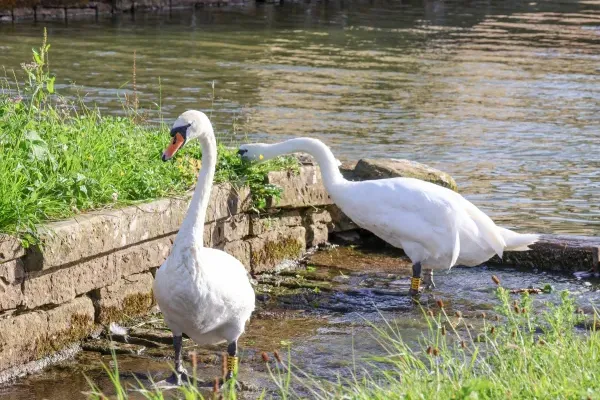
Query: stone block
{"type": "Point", "coordinates": [44, 13]}
{"type": "Point", "coordinates": [123, 5]}
{"type": "Point", "coordinates": [299, 190]}
{"type": "Point", "coordinates": [130, 296]}
{"type": "Point", "coordinates": [226, 200]}
{"type": "Point", "coordinates": [367, 169]}
{"type": "Point", "coordinates": [340, 222]}
{"type": "Point", "coordinates": [263, 223]}
{"type": "Point", "coordinates": [557, 253]}
{"type": "Point", "coordinates": [36, 334]}
{"type": "Point", "coordinates": [11, 278]}
{"type": "Point", "coordinates": [79, 12]}
{"type": "Point", "coordinates": [65, 284]}
{"type": "Point", "coordinates": [87, 235]}
{"type": "Point", "coordinates": [239, 249]}
{"type": "Point", "coordinates": [67, 324]}
{"type": "Point", "coordinates": [270, 249]}
{"type": "Point", "coordinates": [316, 216]}
{"type": "Point", "coordinates": [143, 257]}
{"type": "Point", "coordinates": [316, 234]}
{"type": "Point", "coordinates": [10, 248]}
{"type": "Point", "coordinates": [23, 13]}
{"type": "Point", "coordinates": [19, 336]}
{"type": "Point", "coordinates": [226, 230]}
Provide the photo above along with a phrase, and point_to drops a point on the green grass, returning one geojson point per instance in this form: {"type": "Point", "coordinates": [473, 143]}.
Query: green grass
{"type": "Point", "coordinates": [522, 354]}
{"type": "Point", "coordinates": [61, 158]}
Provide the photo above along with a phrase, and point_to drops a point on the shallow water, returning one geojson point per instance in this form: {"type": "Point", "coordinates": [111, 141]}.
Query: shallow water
{"type": "Point", "coordinates": [328, 331]}
{"type": "Point", "coordinates": [504, 95]}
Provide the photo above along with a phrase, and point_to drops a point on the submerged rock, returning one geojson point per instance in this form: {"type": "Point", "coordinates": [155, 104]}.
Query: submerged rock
{"type": "Point", "coordinates": [391, 168]}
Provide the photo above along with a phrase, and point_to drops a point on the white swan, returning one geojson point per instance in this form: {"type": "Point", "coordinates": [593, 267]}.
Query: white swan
{"type": "Point", "coordinates": [202, 292]}
{"type": "Point", "coordinates": [436, 227]}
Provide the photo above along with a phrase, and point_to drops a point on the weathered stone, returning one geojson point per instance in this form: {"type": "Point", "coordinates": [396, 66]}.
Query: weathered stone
{"type": "Point", "coordinates": [143, 257]}
{"type": "Point", "coordinates": [318, 223]}
{"type": "Point", "coordinates": [316, 234]}
{"type": "Point", "coordinates": [67, 323]}
{"type": "Point", "coordinates": [10, 248]}
{"type": "Point", "coordinates": [239, 249]}
{"type": "Point", "coordinates": [226, 200]}
{"type": "Point", "coordinates": [269, 222]}
{"type": "Point", "coordinates": [102, 232]}
{"type": "Point", "coordinates": [11, 278]}
{"type": "Point", "coordinates": [23, 13]}
{"type": "Point", "coordinates": [123, 5]}
{"type": "Point", "coordinates": [19, 336]}
{"type": "Point", "coordinates": [226, 230]}
{"type": "Point", "coordinates": [299, 190]}
{"type": "Point", "coordinates": [129, 297]}
{"type": "Point", "coordinates": [65, 284]}
{"type": "Point", "coordinates": [391, 168]}
{"type": "Point", "coordinates": [557, 253]}
{"type": "Point", "coordinates": [270, 249]}
{"type": "Point", "coordinates": [45, 13]}
{"type": "Point", "coordinates": [33, 335]}
{"type": "Point", "coordinates": [316, 216]}
{"type": "Point", "coordinates": [340, 221]}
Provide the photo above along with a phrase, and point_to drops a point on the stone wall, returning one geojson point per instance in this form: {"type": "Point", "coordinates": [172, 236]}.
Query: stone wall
{"type": "Point", "coordinates": [98, 267]}
{"type": "Point", "coordinates": [42, 10]}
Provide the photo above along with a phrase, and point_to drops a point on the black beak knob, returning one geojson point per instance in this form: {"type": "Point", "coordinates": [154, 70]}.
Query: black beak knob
{"type": "Point", "coordinates": [241, 152]}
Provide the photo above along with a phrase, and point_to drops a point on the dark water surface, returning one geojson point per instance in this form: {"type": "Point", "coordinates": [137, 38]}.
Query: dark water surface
{"type": "Point", "coordinates": [504, 95]}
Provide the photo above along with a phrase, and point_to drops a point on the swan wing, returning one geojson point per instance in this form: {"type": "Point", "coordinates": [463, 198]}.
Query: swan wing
{"type": "Point", "coordinates": [408, 210]}
{"type": "Point", "coordinates": [229, 281]}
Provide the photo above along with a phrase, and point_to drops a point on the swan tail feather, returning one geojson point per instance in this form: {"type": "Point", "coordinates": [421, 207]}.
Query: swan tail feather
{"type": "Point", "coordinates": [456, 249]}
{"type": "Point", "coordinates": [518, 241]}
{"type": "Point", "coordinates": [488, 229]}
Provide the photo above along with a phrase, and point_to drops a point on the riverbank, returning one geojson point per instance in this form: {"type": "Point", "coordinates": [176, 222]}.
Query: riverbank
{"type": "Point", "coordinates": [98, 268]}
{"type": "Point", "coordinates": [344, 312]}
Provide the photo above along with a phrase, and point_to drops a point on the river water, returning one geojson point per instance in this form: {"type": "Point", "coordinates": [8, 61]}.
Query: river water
{"type": "Point", "coordinates": [504, 95]}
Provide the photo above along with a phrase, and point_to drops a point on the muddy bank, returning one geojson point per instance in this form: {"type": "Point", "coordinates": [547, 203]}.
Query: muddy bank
{"type": "Point", "coordinates": [321, 312]}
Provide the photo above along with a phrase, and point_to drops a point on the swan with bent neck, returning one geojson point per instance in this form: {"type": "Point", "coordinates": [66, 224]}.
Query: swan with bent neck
{"type": "Point", "coordinates": [202, 292]}
{"type": "Point", "coordinates": [436, 227]}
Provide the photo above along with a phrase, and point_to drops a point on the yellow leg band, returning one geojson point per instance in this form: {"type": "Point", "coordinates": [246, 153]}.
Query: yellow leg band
{"type": "Point", "coordinates": [415, 283]}
{"type": "Point", "coordinates": [232, 364]}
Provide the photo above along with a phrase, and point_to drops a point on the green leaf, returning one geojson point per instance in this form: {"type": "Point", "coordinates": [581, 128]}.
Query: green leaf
{"type": "Point", "coordinates": [50, 85]}
{"type": "Point", "coordinates": [36, 57]}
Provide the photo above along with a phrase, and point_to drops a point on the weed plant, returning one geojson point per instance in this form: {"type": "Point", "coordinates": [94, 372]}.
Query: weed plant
{"type": "Point", "coordinates": [519, 353]}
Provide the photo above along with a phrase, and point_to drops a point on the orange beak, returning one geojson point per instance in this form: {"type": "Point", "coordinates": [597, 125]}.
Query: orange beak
{"type": "Point", "coordinates": [175, 145]}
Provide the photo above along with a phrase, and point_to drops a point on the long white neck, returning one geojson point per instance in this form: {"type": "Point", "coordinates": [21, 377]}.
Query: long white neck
{"type": "Point", "coordinates": [192, 229]}
{"type": "Point", "coordinates": [322, 154]}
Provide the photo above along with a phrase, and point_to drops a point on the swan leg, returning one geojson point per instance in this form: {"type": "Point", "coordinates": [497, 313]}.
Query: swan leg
{"type": "Point", "coordinates": [232, 360]}
{"type": "Point", "coordinates": [428, 278]}
{"type": "Point", "coordinates": [180, 373]}
{"type": "Point", "coordinates": [415, 282]}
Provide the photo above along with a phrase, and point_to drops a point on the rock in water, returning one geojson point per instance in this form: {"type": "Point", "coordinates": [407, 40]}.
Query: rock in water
{"type": "Point", "coordinates": [391, 168]}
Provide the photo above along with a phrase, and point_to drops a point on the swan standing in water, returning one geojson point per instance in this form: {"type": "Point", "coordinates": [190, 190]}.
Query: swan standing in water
{"type": "Point", "coordinates": [436, 227]}
{"type": "Point", "coordinates": [202, 292]}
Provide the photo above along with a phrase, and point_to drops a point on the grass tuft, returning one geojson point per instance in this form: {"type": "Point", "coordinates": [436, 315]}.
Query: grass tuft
{"type": "Point", "coordinates": [60, 158]}
{"type": "Point", "coordinates": [532, 354]}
